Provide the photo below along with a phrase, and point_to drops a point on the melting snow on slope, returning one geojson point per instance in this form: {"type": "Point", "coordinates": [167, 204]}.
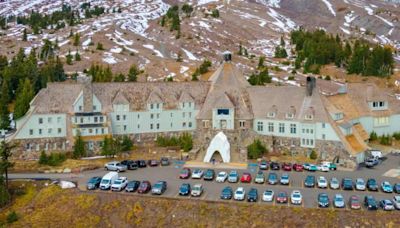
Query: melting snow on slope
{"type": "Point", "coordinates": [203, 2]}
{"type": "Point", "coordinates": [190, 55]}
{"type": "Point", "coordinates": [384, 20]}
{"type": "Point", "coordinates": [330, 7]}
{"type": "Point", "coordinates": [285, 24]}
{"type": "Point", "coordinates": [151, 47]}
{"type": "Point", "coordinates": [109, 58]}
{"type": "Point", "coordinates": [270, 3]}
{"type": "Point", "coordinates": [345, 30]}
{"type": "Point", "coordinates": [348, 18]}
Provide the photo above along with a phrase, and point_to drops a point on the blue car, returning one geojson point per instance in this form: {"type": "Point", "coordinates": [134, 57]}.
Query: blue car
{"type": "Point", "coordinates": [184, 190]}
{"type": "Point", "coordinates": [227, 193]}
{"type": "Point", "coordinates": [323, 200]}
{"type": "Point", "coordinates": [387, 187]}
{"type": "Point", "coordinates": [309, 181]}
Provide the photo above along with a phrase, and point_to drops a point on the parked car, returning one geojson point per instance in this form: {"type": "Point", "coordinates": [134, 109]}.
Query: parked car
{"type": "Point", "coordinates": [371, 162]}
{"type": "Point", "coordinates": [296, 197]}
{"type": "Point", "coordinates": [387, 187]}
{"type": "Point", "coordinates": [274, 166]}
{"type": "Point", "coordinates": [197, 174]}
{"type": "Point", "coordinates": [246, 178]}
{"type": "Point", "coordinates": [226, 193]}
{"type": "Point", "coordinates": [287, 167]}
{"type": "Point", "coordinates": [347, 184]}
{"type": "Point", "coordinates": [252, 196]}
{"type": "Point", "coordinates": [259, 178]}
{"type": "Point", "coordinates": [396, 188]}
{"type": "Point", "coordinates": [115, 166]}
{"type": "Point", "coordinates": [119, 184]}
{"type": "Point", "coordinates": [334, 184]}
{"type": "Point", "coordinates": [108, 180]}
{"type": "Point", "coordinates": [360, 184]}
{"type": "Point", "coordinates": [130, 164]}
{"type": "Point", "coordinates": [309, 181]}
{"type": "Point", "coordinates": [338, 201]}
{"type": "Point", "coordinates": [144, 187]}
{"type": "Point", "coordinates": [184, 189]}
{"type": "Point", "coordinates": [332, 166]}
{"type": "Point", "coordinates": [197, 190]}
{"type": "Point", "coordinates": [142, 163]}
{"type": "Point", "coordinates": [153, 163]}
{"type": "Point", "coordinates": [354, 202]}
{"type": "Point", "coordinates": [239, 194]}
{"type": "Point", "coordinates": [372, 185]}
{"type": "Point", "coordinates": [233, 176]}
{"type": "Point", "coordinates": [282, 197]}
{"type": "Point", "coordinates": [322, 182]}
{"type": "Point", "coordinates": [263, 165]}
{"type": "Point", "coordinates": [132, 186]}
{"type": "Point", "coordinates": [272, 178]}
{"type": "Point", "coordinates": [323, 200]}
{"type": "Point", "coordinates": [387, 205]}
{"type": "Point", "coordinates": [323, 168]}
{"type": "Point", "coordinates": [221, 177]}
{"type": "Point", "coordinates": [93, 183]}
{"type": "Point", "coordinates": [306, 166]}
{"type": "Point", "coordinates": [312, 168]}
{"type": "Point", "coordinates": [159, 188]}
{"type": "Point", "coordinates": [297, 167]}
{"type": "Point", "coordinates": [209, 175]}
{"type": "Point", "coordinates": [396, 202]}
{"type": "Point", "coordinates": [184, 173]}
{"type": "Point", "coordinates": [370, 202]}
{"type": "Point", "coordinates": [268, 195]}
{"type": "Point", "coordinates": [285, 179]}
{"type": "Point", "coordinates": [164, 161]}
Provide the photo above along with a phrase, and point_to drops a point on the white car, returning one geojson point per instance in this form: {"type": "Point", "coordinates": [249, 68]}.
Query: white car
{"type": "Point", "coordinates": [197, 190]}
{"type": "Point", "coordinates": [360, 184]}
{"type": "Point", "coordinates": [334, 184]}
{"type": "Point", "coordinates": [119, 184]}
{"type": "Point", "coordinates": [323, 168]}
{"type": "Point", "coordinates": [296, 197]}
{"type": "Point", "coordinates": [240, 194]}
{"type": "Point", "coordinates": [221, 177]}
{"type": "Point", "coordinates": [396, 202]}
{"type": "Point", "coordinates": [322, 182]}
{"type": "Point", "coordinates": [268, 195]}
{"type": "Point", "coordinates": [197, 174]}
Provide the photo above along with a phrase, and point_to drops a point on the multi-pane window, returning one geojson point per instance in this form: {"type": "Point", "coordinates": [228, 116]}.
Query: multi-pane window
{"type": "Point", "coordinates": [281, 128]}
{"type": "Point", "coordinates": [270, 127]}
{"type": "Point", "coordinates": [40, 120]}
{"type": "Point", "coordinates": [260, 126]}
{"type": "Point", "coordinates": [293, 128]}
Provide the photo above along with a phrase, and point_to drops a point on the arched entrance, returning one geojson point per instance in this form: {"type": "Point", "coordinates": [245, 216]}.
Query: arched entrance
{"type": "Point", "coordinates": [219, 149]}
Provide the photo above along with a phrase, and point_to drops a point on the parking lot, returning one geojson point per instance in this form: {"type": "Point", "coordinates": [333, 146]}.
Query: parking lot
{"type": "Point", "coordinates": [212, 189]}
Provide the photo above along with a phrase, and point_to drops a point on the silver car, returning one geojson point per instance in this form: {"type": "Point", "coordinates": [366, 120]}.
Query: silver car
{"type": "Point", "coordinates": [233, 176]}
{"type": "Point", "coordinates": [334, 184]}
{"type": "Point", "coordinates": [115, 166]}
{"type": "Point", "coordinates": [197, 190]}
{"type": "Point", "coordinates": [360, 184]}
{"type": "Point", "coordinates": [338, 201]}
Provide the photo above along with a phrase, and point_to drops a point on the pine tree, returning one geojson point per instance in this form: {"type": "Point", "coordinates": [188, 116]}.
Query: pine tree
{"type": "Point", "coordinates": [24, 36]}
{"type": "Point", "coordinates": [25, 94]}
{"type": "Point", "coordinates": [162, 23]}
{"type": "Point", "coordinates": [69, 58]}
{"type": "Point", "coordinates": [179, 57]}
{"type": "Point", "coordinates": [133, 73]}
{"type": "Point", "coordinates": [99, 46]}
{"type": "Point", "coordinates": [77, 56]}
{"type": "Point", "coordinates": [119, 78]}
{"type": "Point", "coordinates": [76, 39]}
{"type": "Point", "coordinates": [282, 43]}
{"type": "Point", "coordinates": [79, 147]}
{"type": "Point", "coordinates": [126, 144]}
{"type": "Point", "coordinates": [6, 150]}
{"type": "Point", "coordinates": [261, 62]}
{"type": "Point", "coordinates": [4, 100]}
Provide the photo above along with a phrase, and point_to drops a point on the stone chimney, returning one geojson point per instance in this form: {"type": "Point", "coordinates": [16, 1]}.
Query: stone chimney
{"type": "Point", "coordinates": [310, 85]}
{"type": "Point", "coordinates": [87, 88]}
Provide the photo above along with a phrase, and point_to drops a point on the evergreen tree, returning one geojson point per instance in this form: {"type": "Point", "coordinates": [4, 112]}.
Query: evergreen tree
{"type": "Point", "coordinates": [133, 73]}
{"type": "Point", "coordinates": [99, 46]}
{"type": "Point", "coordinates": [47, 50]}
{"type": "Point", "coordinates": [4, 100]}
{"type": "Point", "coordinates": [282, 43]}
{"type": "Point", "coordinates": [24, 36]}
{"type": "Point", "coordinates": [25, 94]}
{"type": "Point", "coordinates": [6, 150]}
{"type": "Point", "coordinates": [280, 52]}
{"type": "Point", "coordinates": [215, 13]}
{"type": "Point", "coordinates": [240, 52]}
{"type": "Point", "coordinates": [261, 61]}
{"type": "Point", "coordinates": [195, 75]}
{"type": "Point", "coordinates": [79, 147]}
{"type": "Point", "coordinates": [77, 56]}
{"type": "Point", "coordinates": [187, 9]}
{"type": "Point", "coordinates": [69, 58]}
{"type": "Point", "coordinates": [119, 78]}
{"type": "Point", "coordinates": [179, 57]}
{"type": "Point", "coordinates": [77, 38]}
{"type": "Point", "coordinates": [110, 147]}
{"type": "Point", "coordinates": [126, 144]}
{"type": "Point", "coordinates": [162, 22]}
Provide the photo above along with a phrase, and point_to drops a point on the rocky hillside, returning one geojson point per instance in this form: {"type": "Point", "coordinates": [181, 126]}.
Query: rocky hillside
{"type": "Point", "coordinates": [130, 31]}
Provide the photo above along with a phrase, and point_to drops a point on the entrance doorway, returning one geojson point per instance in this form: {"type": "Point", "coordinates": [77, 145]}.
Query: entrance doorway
{"type": "Point", "coordinates": [216, 156]}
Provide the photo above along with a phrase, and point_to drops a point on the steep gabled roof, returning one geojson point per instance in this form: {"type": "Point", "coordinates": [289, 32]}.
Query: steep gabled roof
{"type": "Point", "coordinates": [120, 98]}
{"type": "Point", "coordinates": [154, 97]}
{"type": "Point", "coordinates": [185, 97]}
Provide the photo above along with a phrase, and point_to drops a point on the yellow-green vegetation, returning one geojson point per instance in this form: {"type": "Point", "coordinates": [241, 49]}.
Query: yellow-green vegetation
{"type": "Point", "coordinates": [54, 207]}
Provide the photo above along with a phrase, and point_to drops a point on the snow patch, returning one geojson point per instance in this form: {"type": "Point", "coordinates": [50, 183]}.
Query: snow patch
{"type": "Point", "coordinates": [270, 3]}
{"type": "Point", "coordinates": [151, 47]}
{"type": "Point", "coordinates": [330, 7]}
{"type": "Point", "coordinates": [190, 55]}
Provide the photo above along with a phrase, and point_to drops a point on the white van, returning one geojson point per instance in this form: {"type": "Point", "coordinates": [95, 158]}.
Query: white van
{"type": "Point", "coordinates": [377, 154]}
{"type": "Point", "coordinates": [108, 180]}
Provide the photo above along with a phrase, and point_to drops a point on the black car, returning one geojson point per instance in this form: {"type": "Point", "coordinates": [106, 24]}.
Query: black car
{"type": "Point", "coordinates": [185, 189]}
{"type": "Point", "coordinates": [347, 184]}
{"type": "Point", "coordinates": [396, 188]}
{"type": "Point", "coordinates": [274, 166]}
{"type": "Point", "coordinates": [323, 200]}
{"type": "Point", "coordinates": [372, 185]}
{"type": "Point", "coordinates": [132, 165]}
{"type": "Point", "coordinates": [164, 161]}
{"type": "Point", "coordinates": [141, 163]}
{"type": "Point", "coordinates": [132, 186]}
{"type": "Point", "coordinates": [226, 193]}
{"type": "Point", "coordinates": [93, 183]}
{"type": "Point", "coordinates": [309, 181]}
{"type": "Point", "coordinates": [370, 203]}
{"type": "Point", "coordinates": [209, 175]}
{"type": "Point", "coordinates": [252, 196]}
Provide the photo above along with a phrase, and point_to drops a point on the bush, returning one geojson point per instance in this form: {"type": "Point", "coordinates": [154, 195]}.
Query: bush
{"type": "Point", "coordinates": [313, 155]}
{"type": "Point", "coordinates": [185, 141]}
{"type": "Point", "coordinates": [256, 149]}
{"type": "Point", "coordinates": [385, 140]}
{"type": "Point", "coordinates": [373, 136]}
{"type": "Point", "coordinates": [12, 217]}
{"type": "Point", "coordinates": [54, 159]}
{"type": "Point", "coordinates": [396, 135]}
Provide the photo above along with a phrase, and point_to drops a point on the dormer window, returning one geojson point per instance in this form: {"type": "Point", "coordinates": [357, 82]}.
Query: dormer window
{"type": "Point", "coordinates": [271, 115]}
{"type": "Point", "coordinates": [151, 106]}
{"type": "Point", "coordinates": [80, 107]}
{"type": "Point", "coordinates": [378, 104]}
{"type": "Point", "coordinates": [309, 117]}
{"type": "Point", "coordinates": [289, 115]}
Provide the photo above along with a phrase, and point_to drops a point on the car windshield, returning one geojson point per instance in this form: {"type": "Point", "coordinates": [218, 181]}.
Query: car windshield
{"type": "Point", "coordinates": [339, 198]}
{"type": "Point", "coordinates": [268, 193]}
{"type": "Point", "coordinates": [360, 182]}
{"type": "Point", "coordinates": [184, 171]}
{"type": "Point", "coordinates": [272, 176]}
{"type": "Point", "coordinates": [118, 182]}
{"type": "Point", "coordinates": [158, 185]}
{"type": "Point", "coordinates": [92, 180]}
{"type": "Point", "coordinates": [196, 188]}
{"type": "Point", "coordinates": [296, 195]}
{"type": "Point", "coordinates": [226, 190]}
{"type": "Point", "coordinates": [104, 181]}
{"type": "Point", "coordinates": [323, 198]}
{"type": "Point", "coordinates": [131, 183]}
{"type": "Point", "coordinates": [221, 174]}
{"type": "Point", "coordinates": [233, 174]}
{"type": "Point", "coordinates": [143, 185]}
{"type": "Point", "coordinates": [239, 192]}
{"type": "Point", "coordinates": [310, 178]}
{"type": "Point", "coordinates": [386, 185]}
{"type": "Point", "coordinates": [282, 194]}
{"type": "Point", "coordinates": [322, 180]}
{"type": "Point", "coordinates": [285, 177]}
{"type": "Point", "coordinates": [334, 181]}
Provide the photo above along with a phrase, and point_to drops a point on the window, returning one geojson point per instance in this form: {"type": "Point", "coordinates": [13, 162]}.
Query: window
{"type": "Point", "coordinates": [30, 131]}
{"type": "Point", "coordinates": [270, 127]}
{"type": "Point", "coordinates": [184, 124]}
{"type": "Point", "coordinates": [271, 114]}
{"type": "Point", "coordinates": [312, 131]}
{"type": "Point", "coordinates": [381, 104]}
{"type": "Point", "coordinates": [190, 124]}
{"type": "Point", "coordinates": [40, 120]}
{"type": "Point", "coordinates": [190, 104]}
{"type": "Point", "coordinates": [260, 126]}
{"type": "Point", "coordinates": [323, 125]}
{"type": "Point", "coordinates": [307, 131]}
{"type": "Point", "coordinates": [171, 124]}
{"type": "Point", "coordinates": [59, 130]}
{"type": "Point", "coordinates": [311, 142]}
{"type": "Point", "coordinates": [323, 136]}
{"type": "Point", "coordinates": [281, 128]}
{"type": "Point", "coordinates": [151, 126]}
{"type": "Point", "coordinates": [303, 130]}
{"type": "Point", "coordinates": [223, 112]}
{"type": "Point", "coordinates": [81, 119]}
{"type": "Point", "coordinates": [138, 126]}
{"type": "Point", "coordinates": [151, 116]}
{"type": "Point", "coordinates": [96, 119]}
{"type": "Point", "coordinates": [183, 104]}
{"type": "Point", "coordinates": [242, 123]}
{"type": "Point", "coordinates": [374, 104]}
{"type": "Point", "coordinates": [49, 120]}
{"type": "Point", "coordinates": [158, 105]}
{"type": "Point", "coordinates": [40, 131]}
{"type": "Point", "coordinates": [49, 131]}
{"type": "Point", "coordinates": [303, 141]}
{"type": "Point", "coordinates": [118, 118]}
{"type": "Point", "coordinates": [172, 114]}
{"type": "Point", "coordinates": [190, 115]}
{"type": "Point", "coordinates": [293, 128]}
{"type": "Point", "coordinates": [151, 106]}
{"type": "Point", "coordinates": [101, 119]}
{"type": "Point", "coordinates": [124, 117]}
{"type": "Point", "coordinates": [90, 130]}
{"type": "Point", "coordinates": [206, 123]}
{"type": "Point", "coordinates": [102, 131]}
{"type": "Point", "coordinates": [308, 117]}
{"type": "Point", "coordinates": [158, 116]}
{"type": "Point", "coordinates": [97, 131]}
{"type": "Point", "coordinates": [289, 115]}
{"type": "Point", "coordinates": [381, 121]}
{"type": "Point", "coordinates": [138, 116]}
{"type": "Point", "coordinates": [158, 126]}
{"type": "Point", "coordinates": [94, 107]}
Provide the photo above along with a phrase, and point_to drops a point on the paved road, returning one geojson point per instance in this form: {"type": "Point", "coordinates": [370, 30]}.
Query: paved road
{"type": "Point", "coordinates": [213, 189]}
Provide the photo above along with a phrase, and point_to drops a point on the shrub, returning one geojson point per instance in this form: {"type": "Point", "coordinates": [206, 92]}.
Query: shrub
{"type": "Point", "coordinates": [256, 149]}
{"type": "Point", "coordinates": [313, 155]}
{"type": "Point", "coordinates": [327, 77]}
{"type": "Point", "coordinates": [396, 135]}
{"type": "Point", "coordinates": [385, 140]}
{"type": "Point", "coordinates": [185, 141]}
{"type": "Point", "coordinates": [99, 46]}
{"type": "Point", "coordinates": [12, 217]}
{"type": "Point", "coordinates": [373, 136]}
{"type": "Point", "coordinates": [54, 159]}
{"type": "Point", "coordinates": [291, 78]}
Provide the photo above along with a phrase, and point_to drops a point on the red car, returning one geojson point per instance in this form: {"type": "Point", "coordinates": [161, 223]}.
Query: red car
{"type": "Point", "coordinates": [153, 163]}
{"type": "Point", "coordinates": [282, 197]}
{"type": "Point", "coordinates": [144, 187]}
{"type": "Point", "coordinates": [287, 167]}
{"type": "Point", "coordinates": [355, 202]}
{"type": "Point", "coordinates": [298, 167]}
{"type": "Point", "coordinates": [246, 178]}
{"type": "Point", "coordinates": [185, 173]}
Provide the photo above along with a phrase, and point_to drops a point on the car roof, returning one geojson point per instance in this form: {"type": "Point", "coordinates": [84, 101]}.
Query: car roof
{"type": "Point", "coordinates": [197, 185]}
{"type": "Point", "coordinates": [240, 189]}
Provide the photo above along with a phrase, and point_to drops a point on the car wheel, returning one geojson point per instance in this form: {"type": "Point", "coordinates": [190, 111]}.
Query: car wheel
{"type": "Point", "coordinates": [106, 168]}
{"type": "Point", "coordinates": [118, 170]}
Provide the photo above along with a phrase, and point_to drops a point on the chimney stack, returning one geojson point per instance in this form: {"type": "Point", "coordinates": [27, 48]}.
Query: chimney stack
{"type": "Point", "coordinates": [310, 85]}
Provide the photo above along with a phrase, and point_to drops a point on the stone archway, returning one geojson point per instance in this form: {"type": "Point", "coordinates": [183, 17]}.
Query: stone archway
{"type": "Point", "coordinates": [217, 156]}
{"type": "Point", "coordinates": [221, 145]}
